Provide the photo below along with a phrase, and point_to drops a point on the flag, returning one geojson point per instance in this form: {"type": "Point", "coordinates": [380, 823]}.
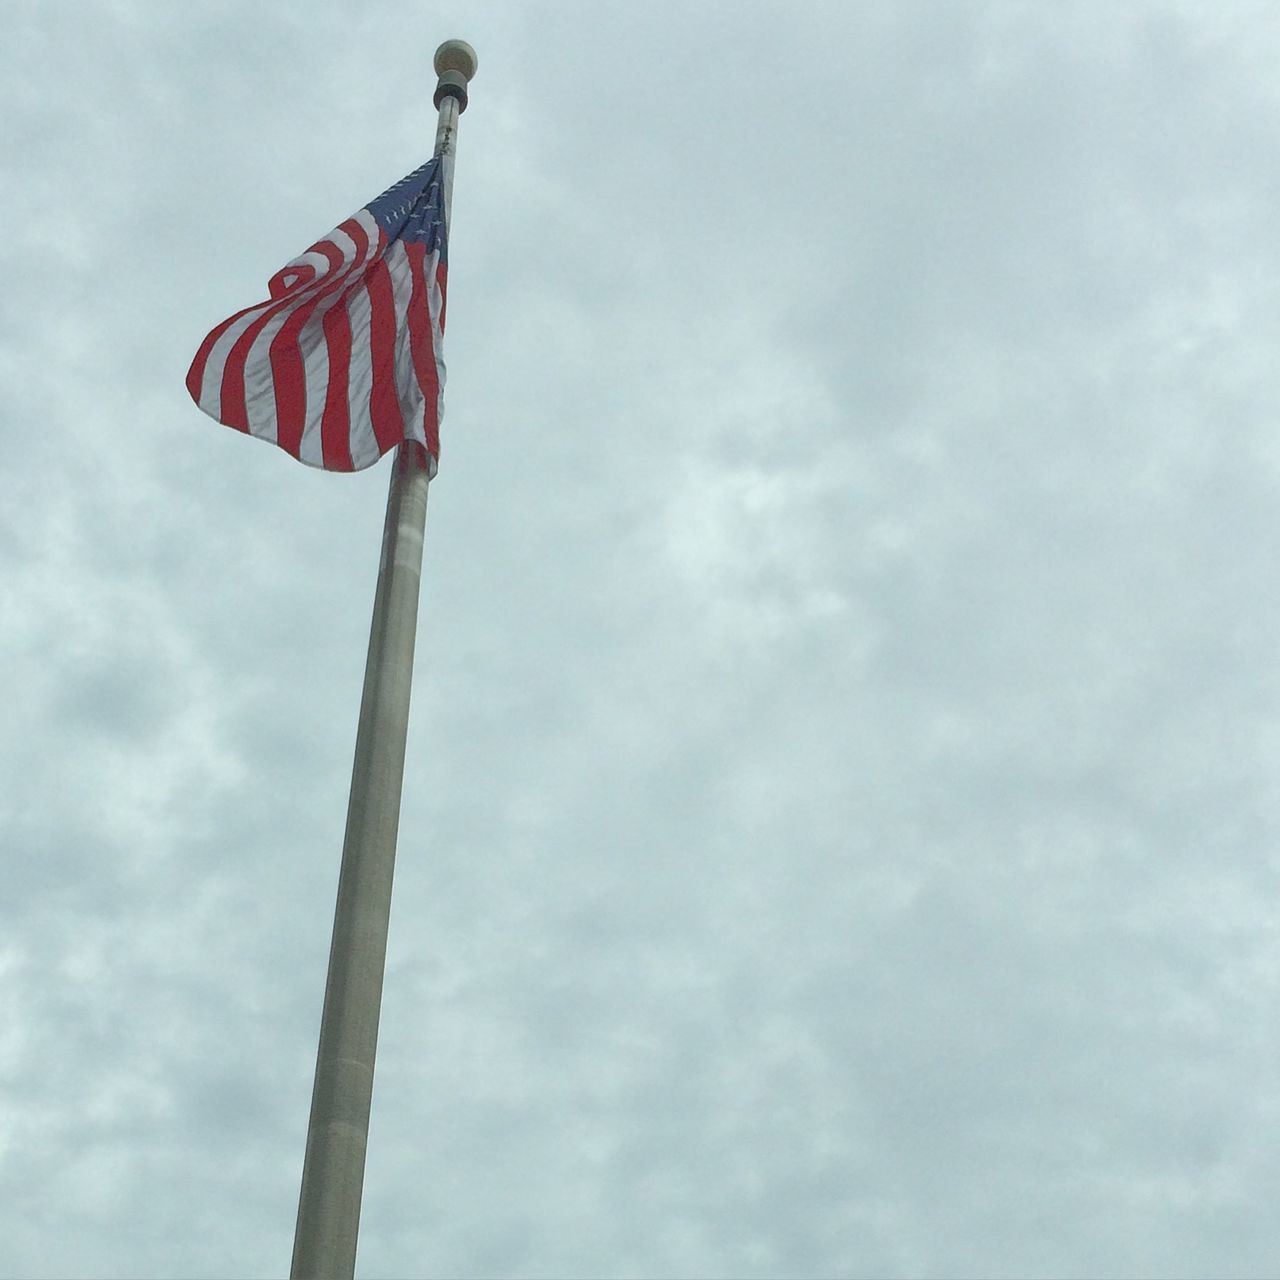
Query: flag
{"type": "Point", "coordinates": [343, 361]}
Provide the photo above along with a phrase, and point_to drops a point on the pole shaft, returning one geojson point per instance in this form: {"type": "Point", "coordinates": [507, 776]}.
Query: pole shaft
{"type": "Point", "coordinates": [333, 1168]}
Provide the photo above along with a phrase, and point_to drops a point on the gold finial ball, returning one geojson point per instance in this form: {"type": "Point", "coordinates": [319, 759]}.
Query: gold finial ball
{"type": "Point", "coordinates": [456, 55]}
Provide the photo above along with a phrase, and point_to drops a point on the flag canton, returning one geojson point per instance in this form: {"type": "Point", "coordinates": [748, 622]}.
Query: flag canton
{"type": "Point", "coordinates": [414, 208]}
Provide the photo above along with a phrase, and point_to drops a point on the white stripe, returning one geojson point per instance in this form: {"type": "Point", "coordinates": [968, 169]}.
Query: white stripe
{"type": "Point", "coordinates": [310, 448]}
{"type": "Point", "coordinates": [435, 303]}
{"type": "Point", "coordinates": [408, 393]}
{"type": "Point", "coordinates": [362, 443]}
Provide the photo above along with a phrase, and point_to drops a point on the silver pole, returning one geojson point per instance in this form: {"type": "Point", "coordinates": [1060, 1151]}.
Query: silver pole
{"type": "Point", "coordinates": [324, 1246]}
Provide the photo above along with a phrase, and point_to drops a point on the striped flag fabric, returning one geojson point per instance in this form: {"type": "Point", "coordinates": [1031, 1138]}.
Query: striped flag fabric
{"type": "Point", "coordinates": [343, 361]}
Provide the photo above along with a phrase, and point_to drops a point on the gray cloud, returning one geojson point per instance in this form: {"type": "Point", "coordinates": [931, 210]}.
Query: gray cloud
{"type": "Point", "coordinates": [838, 832]}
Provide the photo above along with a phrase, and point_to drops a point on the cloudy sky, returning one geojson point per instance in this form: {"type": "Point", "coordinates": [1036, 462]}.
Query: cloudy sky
{"type": "Point", "coordinates": [841, 823]}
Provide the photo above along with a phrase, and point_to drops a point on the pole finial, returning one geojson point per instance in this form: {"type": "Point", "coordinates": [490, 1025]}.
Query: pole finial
{"type": "Point", "coordinates": [456, 55]}
{"type": "Point", "coordinates": [455, 65]}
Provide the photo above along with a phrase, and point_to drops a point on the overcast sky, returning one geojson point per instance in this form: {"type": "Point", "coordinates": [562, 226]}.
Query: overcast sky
{"type": "Point", "coordinates": [841, 832]}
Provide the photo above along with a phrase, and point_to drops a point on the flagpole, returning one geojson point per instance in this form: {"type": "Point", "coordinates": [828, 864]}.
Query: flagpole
{"type": "Point", "coordinates": [324, 1246]}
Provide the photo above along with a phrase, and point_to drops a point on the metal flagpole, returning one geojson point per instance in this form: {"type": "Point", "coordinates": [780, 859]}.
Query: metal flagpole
{"type": "Point", "coordinates": [324, 1246]}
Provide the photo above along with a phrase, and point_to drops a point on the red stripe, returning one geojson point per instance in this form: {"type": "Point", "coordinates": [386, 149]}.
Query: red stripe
{"type": "Point", "coordinates": [433, 423]}
{"type": "Point", "coordinates": [288, 371]}
{"type": "Point", "coordinates": [424, 363]}
{"type": "Point", "coordinates": [195, 375]}
{"type": "Point", "coordinates": [288, 380]}
{"type": "Point", "coordinates": [384, 404]}
{"type": "Point", "coordinates": [335, 423]}
{"type": "Point", "coordinates": [287, 279]}
{"type": "Point", "coordinates": [235, 411]}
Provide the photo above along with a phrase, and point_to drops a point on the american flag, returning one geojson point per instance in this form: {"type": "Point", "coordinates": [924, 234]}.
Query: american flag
{"type": "Point", "coordinates": [343, 362]}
